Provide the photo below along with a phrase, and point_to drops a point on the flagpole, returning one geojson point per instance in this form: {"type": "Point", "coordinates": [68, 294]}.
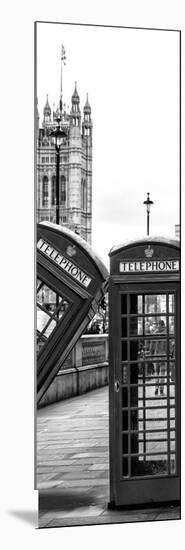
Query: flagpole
{"type": "Point", "coordinates": [61, 87]}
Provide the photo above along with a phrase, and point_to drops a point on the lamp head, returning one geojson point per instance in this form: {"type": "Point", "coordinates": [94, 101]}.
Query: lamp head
{"type": "Point", "coordinates": [148, 203]}
{"type": "Point", "coordinates": [58, 134]}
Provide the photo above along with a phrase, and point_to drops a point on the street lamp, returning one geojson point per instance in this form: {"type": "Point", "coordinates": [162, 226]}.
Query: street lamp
{"type": "Point", "coordinates": [58, 135]}
{"type": "Point", "coordinates": [148, 203]}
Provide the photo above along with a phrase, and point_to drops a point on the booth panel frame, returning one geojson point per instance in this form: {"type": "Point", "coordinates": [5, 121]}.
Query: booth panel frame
{"type": "Point", "coordinates": [138, 489]}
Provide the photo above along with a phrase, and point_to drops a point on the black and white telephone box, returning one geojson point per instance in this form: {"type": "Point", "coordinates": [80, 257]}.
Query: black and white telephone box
{"type": "Point", "coordinates": [144, 294]}
{"type": "Point", "coordinates": [71, 282]}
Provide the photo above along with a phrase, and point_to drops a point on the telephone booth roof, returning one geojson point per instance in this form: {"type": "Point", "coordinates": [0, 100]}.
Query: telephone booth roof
{"type": "Point", "coordinates": [167, 242]}
{"type": "Point", "coordinates": [81, 243]}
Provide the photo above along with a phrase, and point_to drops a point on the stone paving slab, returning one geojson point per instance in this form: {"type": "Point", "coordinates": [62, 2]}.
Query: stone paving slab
{"type": "Point", "coordinates": [73, 466]}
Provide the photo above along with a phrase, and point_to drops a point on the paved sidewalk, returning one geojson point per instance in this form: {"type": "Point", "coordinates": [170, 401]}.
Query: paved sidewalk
{"type": "Point", "coordinates": [73, 465]}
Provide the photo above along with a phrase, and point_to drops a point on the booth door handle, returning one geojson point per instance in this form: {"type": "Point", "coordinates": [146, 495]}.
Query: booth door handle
{"type": "Point", "coordinates": [116, 385]}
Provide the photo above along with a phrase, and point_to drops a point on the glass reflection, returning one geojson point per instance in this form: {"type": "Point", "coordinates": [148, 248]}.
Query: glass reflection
{"type": "Point", "coordinates": [172, 348]}
{"type": "Point", "coordinates": [154, 447]}
{"type": "Point", "coordinates": [42, 319]}
{"type": "Point", "coordinates": [149, 325]}
{"type": "Point", "coordinates": [155, 303]}
{"type": "Point", "coordinates": [172, 464]}
{"type": "Point", "coordinates": [171, 321]}
{"type": "Point", "coordinates": [152, 436]}
{"type": "Point", "coordinates": [149, 465]}
{"type": "Point", "coordinates": [136, 326]}
{"type": "Point", "coordinates": [125, 374]}
{"type": "Point", "coordinates": [172, 374]}
{"type": "Point", "coordinates": [171, 305]}
{"type": "Point", "coordinates": [47, 297]}
{"type": "Point", "coordinates": [135, 303]}
{"type": "Point", "coordinates": [50, 328]}
{"type": "Point", "coordinates": [150, 397]}
{"type": "Point", "coordinates": [38, 283]}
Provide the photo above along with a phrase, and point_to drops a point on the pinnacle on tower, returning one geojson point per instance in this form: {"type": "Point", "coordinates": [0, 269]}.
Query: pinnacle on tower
{"type": "Point", "coordinates": [87, 122]}
{"type": "Point", "coordinates": [75, 95]}
{"type": "Point", "coordinates": [87, 108]}
{"type": "Point", "coordinates": [47, 108]}
{"type": "Point", "coordinates": [75, 100]}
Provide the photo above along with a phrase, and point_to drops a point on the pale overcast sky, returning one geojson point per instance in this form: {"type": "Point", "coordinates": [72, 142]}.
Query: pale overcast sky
{"type": "Point", "coordinates": [132, 78]}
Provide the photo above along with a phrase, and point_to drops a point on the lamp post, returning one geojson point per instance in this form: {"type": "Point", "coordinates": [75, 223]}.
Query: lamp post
{"type": "Point", "coordinates": [58, 135]}
{"type": "Point", "coordinates": [148, 204]}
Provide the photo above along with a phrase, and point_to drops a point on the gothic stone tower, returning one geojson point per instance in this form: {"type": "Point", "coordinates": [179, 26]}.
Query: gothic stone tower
{"type": "Point", "coordinates": [75, 175]}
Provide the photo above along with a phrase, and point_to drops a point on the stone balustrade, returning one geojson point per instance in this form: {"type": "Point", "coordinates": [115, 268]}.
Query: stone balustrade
{"type": "Point", "coordinates": [85, 369]}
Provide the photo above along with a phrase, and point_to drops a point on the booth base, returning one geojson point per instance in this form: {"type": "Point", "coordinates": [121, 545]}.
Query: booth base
{"type": "Point", "coordinates": [173, 505]}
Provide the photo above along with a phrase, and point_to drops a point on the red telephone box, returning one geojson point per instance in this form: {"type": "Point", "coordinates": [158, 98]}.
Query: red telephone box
{"type": "Point", "coordinates": [144, 309]}
{"type": "Point", "coordinates": [71, 281]}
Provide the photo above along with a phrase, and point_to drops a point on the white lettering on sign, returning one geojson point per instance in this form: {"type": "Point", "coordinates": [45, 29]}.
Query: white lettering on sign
{"type": "Point", "coordinates": [154, 265]}
{"type": "Point", "coordinates": [64, 263]}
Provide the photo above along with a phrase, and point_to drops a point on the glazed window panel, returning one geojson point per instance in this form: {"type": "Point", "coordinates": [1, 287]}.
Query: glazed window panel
{"type": "Point", "coordinates": [124, 350]}
{"type": "Point", "coordinates": [42, 320]}
{"type": "Point", "coordinates": [148, 393]}
{"type": "Point", "coordinates": [173, 464]}
{"type": "Point", "coordinates": [155, 303]}
{"type": "Point", "coordinates": [50, 309]}
{"type": "Point", "coordinates": [172, 348]}
{"type": "Point", "coordinates": [136, 326]}
{"type": "Point", "coordinates": [125, 374]}
{"type": "Point", "coordinates": [171, 303]}
{"type": "Point", "coordinates": [148, 465]}
{"type": "Point", "coordinates": [125, 443]}
{"type": "Point", "coordinates": [123, 304]}
{"type": "Point", "coordinates": [124, 327]}
{"type": "Point", "coordinates": [171, 321]}
{"type": "Point", "coordinates": [134, 372]}
{"type": "Point", "coordinates": [136, 304]}
{"type": "Point", "coordinates": [125, 397]}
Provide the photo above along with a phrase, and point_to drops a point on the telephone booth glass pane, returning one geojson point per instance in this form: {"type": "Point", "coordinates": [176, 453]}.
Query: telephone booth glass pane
{"type": "Point", "coordinates": [148, 385]}
{"type": "Point", "coordinates": [50, 308]}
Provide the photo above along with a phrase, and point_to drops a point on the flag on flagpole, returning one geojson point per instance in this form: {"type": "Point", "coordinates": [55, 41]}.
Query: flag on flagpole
{"type": "Point", "coordinates": [63, 55]}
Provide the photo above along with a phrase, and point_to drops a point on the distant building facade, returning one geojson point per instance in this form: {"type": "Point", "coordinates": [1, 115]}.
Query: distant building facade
{"type": "Point", "coordinates": [75, 173]}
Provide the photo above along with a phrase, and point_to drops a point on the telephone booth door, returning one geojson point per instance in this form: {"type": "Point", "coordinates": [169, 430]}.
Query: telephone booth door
{"type": "Point", "coordinates": [145, 392]}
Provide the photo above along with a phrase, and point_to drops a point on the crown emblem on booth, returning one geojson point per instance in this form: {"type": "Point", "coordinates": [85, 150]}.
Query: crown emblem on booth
{"type": "Point", "coordinates": [149, 251]}
{"type": "Point", "coordinates": [71, 251]}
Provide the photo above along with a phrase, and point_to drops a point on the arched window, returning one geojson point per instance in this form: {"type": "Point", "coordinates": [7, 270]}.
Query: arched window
{"type": "Point", "coordinates": [63, 189]}
{"type": "Point", "coordinates": [45, 191]}
{"type": "Point", "coordinates": [83, 194]}
{"type": "Point", "coordinates": [53, 190]}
